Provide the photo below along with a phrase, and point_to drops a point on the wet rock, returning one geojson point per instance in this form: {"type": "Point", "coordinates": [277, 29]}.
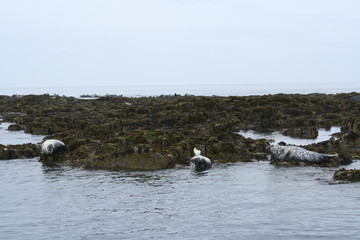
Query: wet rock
{"type": "Point", "coordinates": [158, 132]}
{"type": "Point", "coordinates": [348, 142]}
{"type": "Point", "coordinates": [19, 151]}
{"type": "Point", "coordinates": [56, 159]}
{"type": "Point", "coordinates": [351, 175]}
{"type": "Point", "coordinates": [308, 133]}
{"type": "Point", "coordinates": [352, 125]}
{"type": "Point", "coordinates": [135, 162]}
{"type": "Point", "coordinates": [15, 127]}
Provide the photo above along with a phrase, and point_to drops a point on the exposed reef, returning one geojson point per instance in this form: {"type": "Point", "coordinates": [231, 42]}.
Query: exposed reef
{"type": "Point", "coordinates": [19, 151]}
{"type": "Point", "coordinates": [152, 133]}
{"type": "Point", "coordinates": [307, 132]}
{"type": "Point", "coordinates": [352, 175]}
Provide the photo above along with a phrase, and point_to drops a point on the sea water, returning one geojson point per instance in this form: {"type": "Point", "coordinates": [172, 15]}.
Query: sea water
{"type": "Point", "coordinates": [202, 90]}
{"type": "Point", "coordinates": [276, 137]}
{"type": "Point", "coordinates": [16, 137]}
{"type": "Point", "coordinates": [232, 201]}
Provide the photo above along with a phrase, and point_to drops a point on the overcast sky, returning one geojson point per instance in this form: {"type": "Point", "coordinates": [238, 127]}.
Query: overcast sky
{"type": "Point", "coordinates": [134, 42]}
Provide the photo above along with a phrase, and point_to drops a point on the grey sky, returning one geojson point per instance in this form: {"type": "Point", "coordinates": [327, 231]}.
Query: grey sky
{"type": "Point", "coordinates": [133, 42]}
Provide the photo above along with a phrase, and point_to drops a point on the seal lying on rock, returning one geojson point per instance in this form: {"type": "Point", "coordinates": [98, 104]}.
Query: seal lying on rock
{"type": "Point", "coordinates": [52, 146]}
{"type": "Point", "coordinates": [199, 163]}
{"type": "Point", "coordinates": [292, 153]}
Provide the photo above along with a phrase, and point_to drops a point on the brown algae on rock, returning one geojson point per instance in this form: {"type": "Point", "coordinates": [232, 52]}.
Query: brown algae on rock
{"type": "Point", "coordinates": [352, 175]}
{"type": "Point", "coordinates": [28, 150]}
{"type": "Point", "coordinates": [150, 133]}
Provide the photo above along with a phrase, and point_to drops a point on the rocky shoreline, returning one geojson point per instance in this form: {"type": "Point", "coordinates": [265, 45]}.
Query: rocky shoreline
{"type": "Point", "coordinates": [150, 133]}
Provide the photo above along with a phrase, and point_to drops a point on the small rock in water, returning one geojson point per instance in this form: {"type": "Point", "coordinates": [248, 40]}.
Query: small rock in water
{"type": "Point", "coordinates": [15, 127]}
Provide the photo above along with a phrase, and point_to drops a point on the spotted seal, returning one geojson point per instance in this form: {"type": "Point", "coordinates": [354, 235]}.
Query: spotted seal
{"type": "Point", "coordinates": [293, 153]}
{"type": "Point", "coordinates": [52, 146]}
{"type": "Point", "coordinates": [199, 163]}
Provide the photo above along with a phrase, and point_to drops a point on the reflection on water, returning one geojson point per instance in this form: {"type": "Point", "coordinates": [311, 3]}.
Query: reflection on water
{"type": "Point", "coordinates": [232, 201]}
{"type": "Point", "coordinates": [278, 137]}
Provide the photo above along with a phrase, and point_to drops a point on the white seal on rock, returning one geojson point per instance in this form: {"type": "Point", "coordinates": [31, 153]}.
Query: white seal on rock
{"type": "Point", "coordinates": [289, 153]}
{"type": "Point", "coordinates": [199, 163]}
{"type": "Point", "coordinates": [52, 146]}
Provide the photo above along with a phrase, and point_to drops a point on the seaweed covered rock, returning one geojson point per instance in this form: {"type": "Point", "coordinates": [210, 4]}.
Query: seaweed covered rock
{"type": "Point", "coordinates": [19, 151]}
{"type": "Point", "coordinates": [352, 125]}
{"type": "Point", "coordinates": [132, 162]}
{"type": "Point", "coordinates": [346, 143]}
{"type": "Point", "coordinates": [15, 127]}
{"type": "Point", "coordinates": [159, 132]}
{"type": "Point", "coordinates": [350, 137]}
{"type": "Point", "coordinates": [352, 175]}
{"type": "Point", "coordinates": [308, 133]}
{"type": "Point", "coordinates": [155, 149]}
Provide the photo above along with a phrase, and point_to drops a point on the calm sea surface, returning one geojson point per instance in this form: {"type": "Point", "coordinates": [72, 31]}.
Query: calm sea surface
{"type": "Point", "coordinates": [235, 201]}
{"type": "Point", "coordinates": [204, 90]}
{"type": "Point", "coordinates": [231, 201]}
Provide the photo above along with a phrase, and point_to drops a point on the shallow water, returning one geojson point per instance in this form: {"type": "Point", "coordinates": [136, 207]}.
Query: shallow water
{"type": "Point", "coordinates": [278, 137]}
{"type": "Point", "coordinates": [232, 201]}
{"type": "Point", "coordinates": [16, 137]}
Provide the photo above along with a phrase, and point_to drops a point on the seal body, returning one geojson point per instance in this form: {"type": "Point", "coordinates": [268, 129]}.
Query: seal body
{"type": "Point", "coordinates": [199, 163]}
{"type": "Point", "coordinates": [52, 146]}
{"type": "Point", "coordinates": [292, 153]}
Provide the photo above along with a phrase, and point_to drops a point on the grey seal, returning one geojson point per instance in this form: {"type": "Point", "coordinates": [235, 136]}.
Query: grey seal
{"type": "Point", "coordinates": [289, 153]}
{"type": "Point", "coordinates": [52, 146]}
{"type": "Point", "coordinates": [199, 163]}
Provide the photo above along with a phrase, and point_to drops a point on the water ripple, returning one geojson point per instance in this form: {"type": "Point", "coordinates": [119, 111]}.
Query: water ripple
{"type": "Point", "coordinates": [237, 201]}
